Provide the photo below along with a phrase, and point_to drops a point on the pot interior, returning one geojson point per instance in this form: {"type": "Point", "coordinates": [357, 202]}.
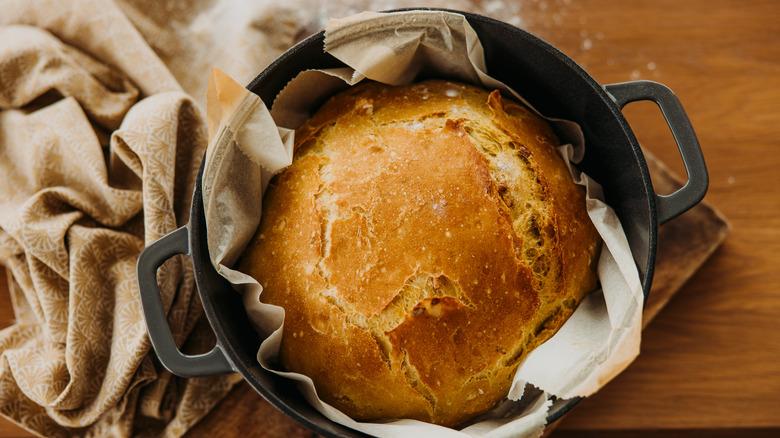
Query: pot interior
{"type": "Point", "coordinates": [553, 84]}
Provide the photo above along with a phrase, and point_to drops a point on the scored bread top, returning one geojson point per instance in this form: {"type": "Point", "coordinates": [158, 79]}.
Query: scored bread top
{"type": "Point", "coordinates": [423, 241]}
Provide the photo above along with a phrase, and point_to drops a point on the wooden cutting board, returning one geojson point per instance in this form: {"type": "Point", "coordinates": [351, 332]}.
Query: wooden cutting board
{"type": "Point", "coordinates": [683, 245]}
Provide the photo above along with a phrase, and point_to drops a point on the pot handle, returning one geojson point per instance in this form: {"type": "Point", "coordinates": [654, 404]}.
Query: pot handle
{"type": "Point", "coordinates": [151, 258]}
{"type": "Point", "coordinates": [670, 206]}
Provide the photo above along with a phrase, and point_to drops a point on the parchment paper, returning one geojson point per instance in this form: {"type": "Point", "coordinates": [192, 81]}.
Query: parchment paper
{"type": "Point", "coordinates": [248, 145]}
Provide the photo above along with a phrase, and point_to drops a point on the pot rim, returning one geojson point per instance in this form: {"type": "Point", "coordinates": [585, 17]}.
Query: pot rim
{"type": "Point", "coordinates": [559, 407]}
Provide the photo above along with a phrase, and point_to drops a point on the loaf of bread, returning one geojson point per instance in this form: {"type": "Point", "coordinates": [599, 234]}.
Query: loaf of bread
{"type": "Point", "coordinates": [423, 241]}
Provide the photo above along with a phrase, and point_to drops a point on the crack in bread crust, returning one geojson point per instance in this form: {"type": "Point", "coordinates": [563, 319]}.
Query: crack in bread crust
{"type": "Point", "coordinates": [413, 377]}
{"type": "Point", "coordinates": [416, 288]}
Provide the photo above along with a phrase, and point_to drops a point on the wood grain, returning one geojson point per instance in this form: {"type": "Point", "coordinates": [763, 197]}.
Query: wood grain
{"type": "Point", "coordinates": [710, 357]}
{"type": "Point", "coordinates": [7, 429]}
{"type": "Point", "coordinates": [710, 360]}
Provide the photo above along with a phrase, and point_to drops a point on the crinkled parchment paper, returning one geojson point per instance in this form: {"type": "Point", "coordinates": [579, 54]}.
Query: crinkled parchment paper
{"type": "Point", "coordinates": [249, 144]}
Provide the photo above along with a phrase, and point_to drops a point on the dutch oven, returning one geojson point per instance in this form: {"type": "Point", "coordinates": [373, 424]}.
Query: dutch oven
{"type": "Point", "coordinates": [551, 82]}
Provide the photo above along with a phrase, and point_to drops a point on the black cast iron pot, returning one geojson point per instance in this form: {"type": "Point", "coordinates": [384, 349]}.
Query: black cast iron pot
{"type": "Point", "coordinates": [553, 84]}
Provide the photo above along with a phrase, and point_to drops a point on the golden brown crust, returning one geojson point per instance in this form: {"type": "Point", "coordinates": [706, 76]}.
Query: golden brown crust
{"type": "Point", "coordinates": [423, 241]}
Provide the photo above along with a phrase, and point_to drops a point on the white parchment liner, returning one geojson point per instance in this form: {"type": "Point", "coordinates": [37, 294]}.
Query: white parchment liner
{"type": "Point", "coordinates": [248, 144]}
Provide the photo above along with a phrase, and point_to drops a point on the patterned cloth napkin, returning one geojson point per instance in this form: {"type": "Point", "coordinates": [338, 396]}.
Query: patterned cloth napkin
{"type": "Point", "coordinates": [99, 149]}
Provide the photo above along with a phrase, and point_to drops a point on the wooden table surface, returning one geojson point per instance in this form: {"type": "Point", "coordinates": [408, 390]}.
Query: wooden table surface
{"type": "Point", "coordinates": [710, 360]}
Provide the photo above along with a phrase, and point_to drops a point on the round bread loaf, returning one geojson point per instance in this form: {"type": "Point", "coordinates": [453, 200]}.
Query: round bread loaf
{"type": "Point", "coordinates": [423, 241]}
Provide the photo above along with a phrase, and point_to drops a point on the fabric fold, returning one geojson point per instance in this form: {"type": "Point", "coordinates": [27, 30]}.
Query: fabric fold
{"type": "Point", "coordinates": [99, 152]}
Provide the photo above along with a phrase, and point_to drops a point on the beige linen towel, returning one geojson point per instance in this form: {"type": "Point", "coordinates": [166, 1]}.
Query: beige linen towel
{"type": "Point", "coordinates": [99, 148]}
